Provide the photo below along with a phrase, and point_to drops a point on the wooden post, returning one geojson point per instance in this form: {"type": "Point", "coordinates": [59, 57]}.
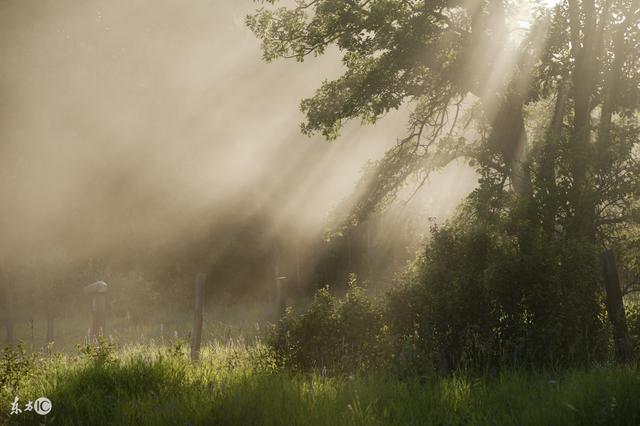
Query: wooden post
{"type": "Point", "coordinates": [50, 320]}
{"type": "Point", "coordinates": [98, 292]}
{"type": "Point", "coordinates": [196, 338]}
{"type": "Point", "coordinates": [280, 296]}
{"type": "Point", "coordinates": [615, 308]}
{"type": "Point", "coordinates": [99, 308]}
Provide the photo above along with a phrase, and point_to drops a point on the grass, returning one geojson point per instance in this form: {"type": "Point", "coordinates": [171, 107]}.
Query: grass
{"type": "Point", "coordinates": [238, 384]}
{"type": "Point", "coordinates": [72, 329]}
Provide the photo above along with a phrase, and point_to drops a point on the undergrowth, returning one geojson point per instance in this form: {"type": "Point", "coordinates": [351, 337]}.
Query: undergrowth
{"type": "Point", "coordinates": [238, 383]}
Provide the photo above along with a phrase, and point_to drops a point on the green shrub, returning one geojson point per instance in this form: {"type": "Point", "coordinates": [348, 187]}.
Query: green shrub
{"type": "Point", "coordinates": [332, 335]}
{"type": "Point", "coordinates": [16, 367]}
{"type": "Point", "coordinates": [484, 297]}
{"type": "Point", "coordinates": [100, 352]}
{"type": "Point", "coordinates": [632, 309]}
{"type": "Point", "coordinates": [480, 297]}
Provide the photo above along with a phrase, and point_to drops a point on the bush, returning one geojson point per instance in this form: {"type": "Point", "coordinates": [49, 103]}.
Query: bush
{"type": "Point", "coordinates": [483, 297]}
{"type": "Point", "coordinates": [632, 309]}
{"type": "Point", "coordinates": [332, 335]}
{"type": "Point", "coordinates": [16, 366]}
{"type": "Point", "coordinates": [491, 290]}
{"type": "Point", "coordinates": [100, 352]}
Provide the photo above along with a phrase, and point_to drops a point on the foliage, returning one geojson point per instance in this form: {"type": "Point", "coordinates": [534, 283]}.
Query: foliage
{"type": "Point", "coordinates": [436, 58]}
{"type": "Point", "coordinates": [633, 319]}
{"type": "Point", "coordinates": [491, 290]}
{"type": "Point", "coordinates": [477, 299]}
{"type": "Point", "coordinates": [146, 387]}
{"type": "Point", "coordinates": [515, 279]}
{"type": "Point", "coordinates": [332, 335]}
{"type": "Point", "coordinates": [99, 352]}
{"type": "Point", "coordinates": [16, 366]}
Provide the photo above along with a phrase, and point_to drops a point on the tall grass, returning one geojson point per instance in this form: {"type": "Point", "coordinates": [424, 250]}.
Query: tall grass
{"type": "Point", "coordinates": [238, 384]}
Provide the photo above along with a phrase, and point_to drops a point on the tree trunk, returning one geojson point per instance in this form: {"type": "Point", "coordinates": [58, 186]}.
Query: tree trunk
{"type": "Point", "coordinates": [614, 302]}
{"type": "Point", "coordinates": [615, 308]}
{"type": "Point", "coordinates": [509, 139]}
{"type": "Point", "coordinates": [547, 169]}
{"type": "Point", "coordinates": [503, 104]}
{"type": "Point", "coordinates": [582, 224]}
{"type": "Point", "coordinates": [610, 91]}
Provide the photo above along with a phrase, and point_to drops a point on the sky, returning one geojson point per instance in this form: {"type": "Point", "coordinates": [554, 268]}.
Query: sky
{"type": "Point", "coordinates": [122, 123]}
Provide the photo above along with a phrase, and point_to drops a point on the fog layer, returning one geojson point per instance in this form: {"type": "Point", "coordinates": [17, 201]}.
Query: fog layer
{"type": "Point", "coordinates": [127, 125]}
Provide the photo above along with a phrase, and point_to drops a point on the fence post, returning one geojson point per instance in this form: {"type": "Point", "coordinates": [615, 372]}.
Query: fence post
{"type": "Point", "coordinates": [98, 307]}
{"type": "Point", "coordinates": [196, 337]}
{"type": "Point", "coordinates": [50, 320]}
{"type": "Point", "coordinates": [280, 296]}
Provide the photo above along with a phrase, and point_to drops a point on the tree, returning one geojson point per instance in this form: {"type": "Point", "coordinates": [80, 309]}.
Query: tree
{"type": "Point", "coordinates": [596, 43]}
{"type": "Point", "coordinates": [472, 81]}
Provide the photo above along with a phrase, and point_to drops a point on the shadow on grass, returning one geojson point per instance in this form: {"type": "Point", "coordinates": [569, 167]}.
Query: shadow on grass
{"type": "Point", "coordinates": [173, 392]}
{"type": "Point", "coordinates": [112, 393]}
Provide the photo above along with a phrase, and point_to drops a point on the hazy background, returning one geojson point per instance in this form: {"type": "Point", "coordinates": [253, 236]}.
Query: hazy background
{"type": "Point", "coordinates": [146, 130]}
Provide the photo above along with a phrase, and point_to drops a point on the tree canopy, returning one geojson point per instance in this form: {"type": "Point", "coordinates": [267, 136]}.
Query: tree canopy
{"type": "Point", "coordinates": [545, 110]}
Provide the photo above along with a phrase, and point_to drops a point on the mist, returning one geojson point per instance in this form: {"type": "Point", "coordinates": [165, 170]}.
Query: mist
{"type": "Point", "coordinates": [144, 143]}
{"type": "Point", "coordinates": [129, 126]}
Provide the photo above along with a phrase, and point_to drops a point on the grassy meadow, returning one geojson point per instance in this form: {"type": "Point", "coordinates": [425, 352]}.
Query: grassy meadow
{"type": "Point", "coordinates": [238, 383]}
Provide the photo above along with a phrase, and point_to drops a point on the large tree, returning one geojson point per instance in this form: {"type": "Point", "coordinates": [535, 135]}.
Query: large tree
{"type": "Point", "coordinates": [473, 80]}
